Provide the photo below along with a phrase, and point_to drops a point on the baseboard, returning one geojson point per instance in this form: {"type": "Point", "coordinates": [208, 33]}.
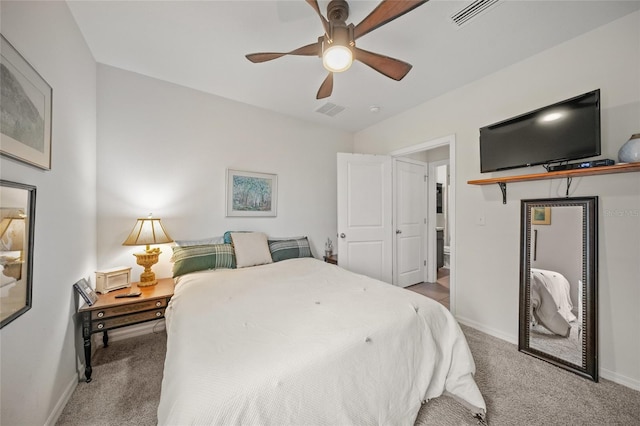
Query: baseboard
{"type": "Point", "coordinates": [619, 379]}
{"type": "Point", "coordinates": [487, 330]}
{"type": "Point", "coordinates": [602, 372]}
{"type": "Point", "coordinates": [62, 402]}
{"type": "Point", "coordinates": [130, 331]}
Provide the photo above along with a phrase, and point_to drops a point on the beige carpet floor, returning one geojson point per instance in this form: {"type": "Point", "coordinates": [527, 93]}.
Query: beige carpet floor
{"type": "Point", "coordinates": [518, 389]}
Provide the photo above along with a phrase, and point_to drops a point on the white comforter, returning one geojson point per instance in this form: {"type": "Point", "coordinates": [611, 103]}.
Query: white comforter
{"type": "Point", "coordinates": [302, 342]}
{"type": "Point", "coordinates": [559, 288]}
{"type": "Point", "coordinates": [550, 301]}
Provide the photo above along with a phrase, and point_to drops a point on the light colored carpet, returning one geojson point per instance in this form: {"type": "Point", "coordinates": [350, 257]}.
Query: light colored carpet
{"type": "Point", "coordinates": [125, 389]}
{"type": "Point", "coordinates": [567, 348]}
{"type": "Point", "coordinates": [522, 390]}
{"type": "Point", "coordinates": [518, 389]}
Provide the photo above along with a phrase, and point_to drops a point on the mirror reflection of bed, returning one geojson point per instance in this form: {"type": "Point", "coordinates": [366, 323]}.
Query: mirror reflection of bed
{"type": "Point", "coordinates": [556, 284]}
{"type": "Point", "coordinates": [555, 328]}
{"type": "Point", "coordinates": [12, 291]}
{"type": "Point", "coordinates": [12, 287]}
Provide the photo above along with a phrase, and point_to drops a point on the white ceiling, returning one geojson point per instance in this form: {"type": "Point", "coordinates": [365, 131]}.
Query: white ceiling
{"type": "Point", "coordinates": [201, 45]}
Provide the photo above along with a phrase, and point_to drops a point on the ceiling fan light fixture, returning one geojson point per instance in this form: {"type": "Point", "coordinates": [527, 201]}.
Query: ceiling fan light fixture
{"type": "Point", "coordinates": [337, 58]}
{"type": "Point", "coordinates": [337, 45]}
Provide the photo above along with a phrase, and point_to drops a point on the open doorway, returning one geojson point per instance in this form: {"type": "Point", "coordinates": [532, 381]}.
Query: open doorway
{"type": "Point", "coordinates": [440, 288]}
{"type": "Point", "coordinates": [439, 282]}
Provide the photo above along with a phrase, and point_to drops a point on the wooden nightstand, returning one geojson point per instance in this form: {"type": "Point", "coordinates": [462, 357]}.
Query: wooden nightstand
{"type": "Point", "coordinates": [109, 313]}
{"type": "Point", "coordinates": [331, 259]}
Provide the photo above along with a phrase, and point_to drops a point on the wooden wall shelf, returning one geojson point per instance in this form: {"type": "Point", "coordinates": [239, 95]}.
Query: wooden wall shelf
{"type": "Point", "coordinates": [604, 170]}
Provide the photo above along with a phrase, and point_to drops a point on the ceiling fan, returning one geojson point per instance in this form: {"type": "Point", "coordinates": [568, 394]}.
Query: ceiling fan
{"type": "Point", "coordinates": [337, 46]}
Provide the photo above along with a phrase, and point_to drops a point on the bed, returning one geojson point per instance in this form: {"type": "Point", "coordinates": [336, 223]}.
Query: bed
{"type": "Point", "coordinates": [301, 341]}
{"type": "Point", "coordinates": [551, 304]}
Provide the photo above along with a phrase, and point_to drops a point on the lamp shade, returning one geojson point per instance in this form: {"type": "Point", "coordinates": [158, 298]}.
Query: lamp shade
{"type": "Point", "coordinates": [12, 234]}
{"type": "Point", "coordinates": [147, 231]}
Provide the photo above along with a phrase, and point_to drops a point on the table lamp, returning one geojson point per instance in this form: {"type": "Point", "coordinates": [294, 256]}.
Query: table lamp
{"type": "Point", "coordinates": [147, 231]}
{"type": "Point", "coordinates": [12, 240]}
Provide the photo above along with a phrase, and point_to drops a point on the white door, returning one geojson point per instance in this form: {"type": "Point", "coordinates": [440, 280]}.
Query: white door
{"type": "Point", "coordinates": [410, 222]}
{"type": "Point", "coordinates": [365, 215]}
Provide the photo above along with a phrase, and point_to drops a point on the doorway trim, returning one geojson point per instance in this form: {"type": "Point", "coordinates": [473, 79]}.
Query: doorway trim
{"type": "Point", "coordinates": [425, 194]}
{"type": "Point", "coordinates": [449, 140]}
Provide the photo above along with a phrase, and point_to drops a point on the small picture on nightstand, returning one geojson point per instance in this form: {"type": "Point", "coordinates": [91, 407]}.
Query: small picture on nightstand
{"type": "Point", "coordinates": [86, 291]}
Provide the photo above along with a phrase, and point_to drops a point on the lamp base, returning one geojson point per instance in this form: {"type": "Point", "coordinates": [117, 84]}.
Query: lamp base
{"type": "Point", "coordinates": [147, 280]}
{"type": "Point", "coordinates": [147, 260]}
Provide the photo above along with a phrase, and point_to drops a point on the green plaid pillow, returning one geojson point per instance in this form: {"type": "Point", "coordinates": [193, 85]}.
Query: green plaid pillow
{"type": "Point", "coordinates": [289, 249]}
{"type": "Point", "coordinates": [203, 257]}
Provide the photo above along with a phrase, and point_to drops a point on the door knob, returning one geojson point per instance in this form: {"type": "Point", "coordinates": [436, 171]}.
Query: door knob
{"type": "Point", "coordinates": [398, 231]}
{"type": "Point", "coordinates": [342, 235]}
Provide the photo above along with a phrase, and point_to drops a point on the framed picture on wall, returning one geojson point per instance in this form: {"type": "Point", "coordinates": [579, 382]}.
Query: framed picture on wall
{"type": "Point", "coordinates": [251, 194]}
{"type": "Point", "coordinates": [541, 215]}
{"type": "Point", "coordinates": [25, 110]}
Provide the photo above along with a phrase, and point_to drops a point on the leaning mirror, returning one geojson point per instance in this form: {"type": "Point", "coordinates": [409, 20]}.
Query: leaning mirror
{"type": "Point", "coordinates": [17, 214]}
{"type": "Point", "coordinates": [558, 282]}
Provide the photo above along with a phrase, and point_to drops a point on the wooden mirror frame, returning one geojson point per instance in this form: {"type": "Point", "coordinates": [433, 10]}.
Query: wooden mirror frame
{"type": "Point", "coordinates": [588, 368]}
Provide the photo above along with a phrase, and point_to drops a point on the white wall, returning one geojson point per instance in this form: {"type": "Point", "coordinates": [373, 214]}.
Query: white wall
{"type": "Point", "coordinates": [488, 256]}
{"type": "Point", "coordinates": [38, 349]}
{"type": "Point", "coordinates": [560, 246]}
{"type": "Point", "coordinates": [164, 148]}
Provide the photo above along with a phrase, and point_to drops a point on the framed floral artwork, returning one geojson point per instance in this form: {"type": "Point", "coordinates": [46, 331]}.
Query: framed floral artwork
{"type": "Point", "coordinates": [251, 194]}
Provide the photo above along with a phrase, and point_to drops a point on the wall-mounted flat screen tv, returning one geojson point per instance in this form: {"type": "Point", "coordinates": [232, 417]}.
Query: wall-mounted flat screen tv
{"type": "Point", "coordinates": [565, 131]}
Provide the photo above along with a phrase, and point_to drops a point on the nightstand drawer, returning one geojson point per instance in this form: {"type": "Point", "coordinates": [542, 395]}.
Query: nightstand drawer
{"type": "Point", "coordinates": [128, 309]}
{"type": "Point", "coordinates": [126, 320]}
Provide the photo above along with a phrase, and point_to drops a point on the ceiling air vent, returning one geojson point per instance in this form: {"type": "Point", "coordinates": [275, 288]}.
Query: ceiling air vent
{"type": "Point", "coordinates": [471, 11]}
{"type": "Point", "coordinates": [330, 109]}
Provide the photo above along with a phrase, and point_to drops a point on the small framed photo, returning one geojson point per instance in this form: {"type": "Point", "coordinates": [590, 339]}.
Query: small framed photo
{"type": "Point", "coordinates": [85, 290]}
{"type": "Point", "coordinates": [541, 215]}
{"type": "Point", "coordinates": [25, 110]}
{"type": "Point", "coordinates": [251, 193]}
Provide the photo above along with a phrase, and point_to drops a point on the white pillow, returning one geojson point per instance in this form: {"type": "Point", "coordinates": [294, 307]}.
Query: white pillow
{"type": "Point", "coordinates": [251, 249]}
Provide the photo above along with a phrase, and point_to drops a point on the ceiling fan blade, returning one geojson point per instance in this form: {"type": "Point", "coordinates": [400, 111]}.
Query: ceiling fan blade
{"type": "Point", "coordinates": [325, 23]}
{"type": "Point", "coordinates": [392, 68]}
{"type": "Point", "coordinates": [313, 49]}
{"type": "Point", "coordinates": [326, 87]}
{"type": "Point", "coordinates": [385, 12]}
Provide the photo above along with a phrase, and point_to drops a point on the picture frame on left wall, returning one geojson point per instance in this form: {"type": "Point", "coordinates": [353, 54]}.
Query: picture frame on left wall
{"type": "Point", "coordinates": [17, 224]}
{"type": "Point", "coordinates": [25, 110]}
